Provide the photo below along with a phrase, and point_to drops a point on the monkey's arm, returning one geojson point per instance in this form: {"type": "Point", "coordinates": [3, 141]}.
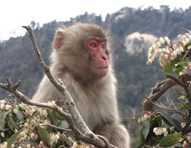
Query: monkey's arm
{"type": "Point", "coordinates": [116, 134]}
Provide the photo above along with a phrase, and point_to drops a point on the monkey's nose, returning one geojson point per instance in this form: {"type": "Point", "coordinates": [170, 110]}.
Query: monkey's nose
{"type": "Point", "coordinates": [104, 58]}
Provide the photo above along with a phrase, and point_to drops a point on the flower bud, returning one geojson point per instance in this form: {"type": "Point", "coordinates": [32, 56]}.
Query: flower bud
{"type": "Point", "coordinates": [167, 39]}
{"type": "Point", "coordinates": [162, 40]}
{"type": "Point", "coordinates": [166, 56]}
{"type": "Point", "coordinates": [158, 44]}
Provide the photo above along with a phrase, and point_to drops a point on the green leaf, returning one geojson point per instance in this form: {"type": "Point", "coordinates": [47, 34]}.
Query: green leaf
{"type": "Point", "coordinates": [177, 70]}
{"type": "Point", "coordinates": [11, 123]}
{"type": "Point", "coordinates": [172, 122]}
{"type": "Point", "coordinates": [63, 124]}
{"type": "Point", "coordinates": [51, 116]}
{"type": "Point", "coordinates": [170, 140]}
{"type": "Point", "coordinates": [141, 136]}
{"type": "Point", "coordinates": [3, 115]}
{"type": "Point", "coordinates": [156, 121]}
{"type": "Point", "coordinates": [159, 120]}
{"type": "Point", "coordinates": [22, 107]}
{"type": "Point", "coordinates": [186, 46]}
{"type": "Point", "coordinates": [144, 131]}
{"type": "Point", "coordinates": [44, 134]}
{"type": "Point", "coordinates": [12, 139]}
{"type": "Point", "coordinates": [19, 115]}
{"type": "Point", "coordinates": [168, 68]}
{"type": "Point", "coordinates": [58, 116]}
{"type": "Point", "coordinates": [186, 30]}
{"type": "Point", "coordinates": [182, 63]}
{"type": "Point", "coordinates": [49, 113]}
{"type": "Point", "coordinates": [182, 97]}
{"type": "Point", "coordinates": [188, 122]}
{"type": "Point", "coordinates": [186, 127]}
{"type": "Point", "coordinates": [140, 145]}
{"type": "Point", "coordinates": [166, 120]}
{"type": "Point", "coordinates": [177, 125]}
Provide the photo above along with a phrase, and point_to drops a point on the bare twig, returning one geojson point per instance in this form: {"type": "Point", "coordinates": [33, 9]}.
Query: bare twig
{"type": "Point", "coordinates": [185, 105]}
{"type": "Point", "coordinates": [181, 83]}
{"type": "Point", "coordinates": [178, 81]}
{"type": "Point", "coordinates": [166, 109]}
{"type": "Point", "coordinates": [159, 89]}
{"type": "Point", "coordinates": [172, 102]}
{"type": "Point", "coordinates": [56, 127]}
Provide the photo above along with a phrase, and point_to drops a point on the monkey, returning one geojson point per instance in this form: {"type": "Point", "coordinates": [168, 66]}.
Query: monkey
{"type": "Point", "coordinates": [81, 58]}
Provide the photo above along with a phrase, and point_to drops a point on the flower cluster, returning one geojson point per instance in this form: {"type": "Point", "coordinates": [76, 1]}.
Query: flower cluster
{"type": "Point", "coordinates": [25, 120]}
{"type": "Point", "coordinates": [4, 105]}
{"type": "Point", "coordinates": [160, 130]}
{"type": "Point", "coordinates": [167, 52]}
{"type": "Point", "coordinates": [184, 38]}
{"type": "Point", "coordinates": [185, 143]}
{"type": "Point", "coordinates": [186, 69]}
{"type": "Point", "coordinates": [153, 50]}
{"type": "Point", "coordinates": [144, 118]}
{"type": "Point", "coordinates": [28, 123]}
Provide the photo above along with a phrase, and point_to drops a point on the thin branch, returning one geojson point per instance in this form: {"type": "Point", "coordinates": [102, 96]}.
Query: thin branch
{"type": "Point", "coordinates": [56, 127]}
{"type": "Point", "coordinates": [172, 102]}
{"type": "Point", "coordinates": [178, 81]}
{"type": "Point", "coordinates": [184, 104]}
{"type": "Point", "coordinates": [17, 84]}
{"type": "Point", "coordinates": [158, 90]}
{"type": "Point", "coordinates": [181, 83]}
{"type": "Point", "coordinates": [166, 109]}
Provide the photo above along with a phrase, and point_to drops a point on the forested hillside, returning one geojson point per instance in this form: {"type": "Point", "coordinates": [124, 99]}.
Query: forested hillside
{"type": "Point", "coordinates": [17, 59]}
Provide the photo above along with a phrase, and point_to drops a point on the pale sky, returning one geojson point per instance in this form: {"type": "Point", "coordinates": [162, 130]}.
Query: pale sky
{"type": "Point", "coordinates": [16, 13]}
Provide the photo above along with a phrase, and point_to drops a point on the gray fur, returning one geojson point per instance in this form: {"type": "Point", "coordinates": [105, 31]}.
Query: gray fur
{"type": "Point", "coordinates": [96, 99]}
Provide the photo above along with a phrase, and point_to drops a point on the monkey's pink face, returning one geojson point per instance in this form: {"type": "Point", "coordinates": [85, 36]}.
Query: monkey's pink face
{"type": "Point", "coordinates": [98, 52]}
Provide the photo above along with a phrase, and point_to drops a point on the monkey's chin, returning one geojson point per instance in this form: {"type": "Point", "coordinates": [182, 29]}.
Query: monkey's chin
{"type": "Point", "coordinates": [101, 71]}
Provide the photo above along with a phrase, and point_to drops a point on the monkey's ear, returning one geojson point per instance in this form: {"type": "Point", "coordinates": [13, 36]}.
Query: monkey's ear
{"type": "Point", "coordinates": [59, 40]}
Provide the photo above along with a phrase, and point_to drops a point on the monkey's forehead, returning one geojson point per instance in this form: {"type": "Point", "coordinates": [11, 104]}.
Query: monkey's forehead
{"type": "Point", "coordinates": [87, 30]}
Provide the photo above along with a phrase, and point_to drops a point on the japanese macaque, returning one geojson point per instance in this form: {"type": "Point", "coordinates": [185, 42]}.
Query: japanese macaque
{"type": "Point", "coordinates": [82, 60]}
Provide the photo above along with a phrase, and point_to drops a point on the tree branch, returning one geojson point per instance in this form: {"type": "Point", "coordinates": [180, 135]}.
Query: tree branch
{"type": "Point", "coordinates": [56, 127]}
{"type": "Point", "coordinates": [159, 89]}
{"type": "Point", "coordinates": [166, 109]}
{"type": "Point", "coordinates": [73, 117]}
{"type": "Point", "coordinates": [183, 84]}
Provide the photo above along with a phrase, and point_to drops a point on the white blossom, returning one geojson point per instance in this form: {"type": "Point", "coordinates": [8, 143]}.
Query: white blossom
{"type": "Point", "coordinates": [167, 39]}
{"type": "Point", "coordinates": [160, 130]}
{"type": "Point", "coordinates": [2, 134]}
{"type": "Point", "coordinates": [158, 44]}
{"type": "Point", "coordinates": [162, 40]}
{"type": "Point", "coordinates": [166, 56]}
{"type": "Point", "coordinates": [7, 106]}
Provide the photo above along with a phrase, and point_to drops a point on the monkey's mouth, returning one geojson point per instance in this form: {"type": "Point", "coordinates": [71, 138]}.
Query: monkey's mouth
{"type": "Point", "coordinates": [101, 71]}
{"type": "Point", "coordinates": [102, 67]}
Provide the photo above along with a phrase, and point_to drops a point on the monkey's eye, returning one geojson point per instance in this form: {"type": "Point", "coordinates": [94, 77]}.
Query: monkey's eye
{"type": "Point", "coordinates": [103, 46]}
{"type": "Point", "coordinates": [93, 44]}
